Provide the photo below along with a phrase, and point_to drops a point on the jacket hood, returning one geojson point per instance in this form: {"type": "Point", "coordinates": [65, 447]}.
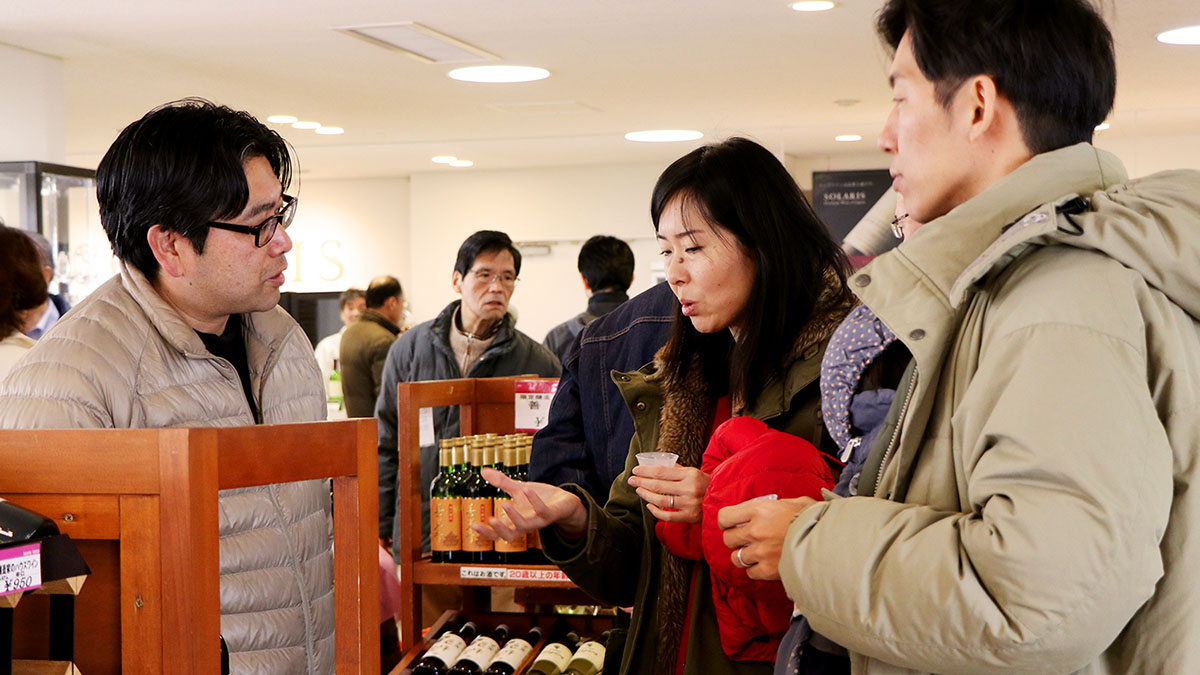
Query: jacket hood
{"type": "Point", "coordinates": [1077, 196]}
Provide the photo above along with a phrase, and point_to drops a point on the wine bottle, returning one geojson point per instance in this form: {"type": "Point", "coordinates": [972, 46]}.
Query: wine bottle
{"type": "Point", "coordinates": [514, 653]}
{"type": "Point", "coordinates": [333, 388]}
{"type": "Point", "coordinates": [477, 508]}
{"type": "Point", "coordinates": [480, 652]}
{"type": "Point", "coordinates": [512, 551]}
{"type": "Point", "coordinates": [587, 660]}
{"type": "Point", "coordinates": [533, 540]}
{"type": "Point", "coordinates": [555, 656]}
{"type": "Point", "coordinates": [21, 524]}
{"type": "Point", "coordinates": [446, 507]}
{"type": "Point", "coordinates": [445, 651]}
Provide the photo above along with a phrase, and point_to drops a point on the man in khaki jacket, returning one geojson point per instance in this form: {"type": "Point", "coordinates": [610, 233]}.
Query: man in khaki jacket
{"type": "Point", "coordinates": [1031, 504]}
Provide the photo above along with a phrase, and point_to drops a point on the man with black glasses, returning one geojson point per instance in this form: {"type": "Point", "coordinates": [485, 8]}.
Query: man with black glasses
{"type": "Point", "coordinates": [190, 334]}
{"type": "Point", "coordinates": [472, 337]}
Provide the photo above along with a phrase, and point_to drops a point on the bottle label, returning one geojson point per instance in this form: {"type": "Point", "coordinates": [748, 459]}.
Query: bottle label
{"type": "Point", "coordinates": [590, 654]}
{"type": "Point", "coordinates": [446, 529]}
{"type": "Point", "coordinates": [475, 510]}
{"type": "Point", "coordinates": [507, 545]}
{"type": "Point", "coordinates": [557, 655]}
{"type": "Point", "coordinates": [533, 540]}
{"type": "Point", "coordinates": [481, 651]}
{"type": "Point", "coordinates": [513, 653]}
{"type": "Point", "coordinates": [447, 648]}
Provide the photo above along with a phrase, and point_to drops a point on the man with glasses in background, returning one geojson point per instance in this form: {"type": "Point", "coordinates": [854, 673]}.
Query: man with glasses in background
{"type": "Point", "coordinates": [189, 334]}
{"type": "Point", "coordinates": [471, 337]}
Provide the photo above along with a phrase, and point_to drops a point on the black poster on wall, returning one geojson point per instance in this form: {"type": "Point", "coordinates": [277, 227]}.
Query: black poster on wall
{"type": "Point", "coordinates": [842, 198]}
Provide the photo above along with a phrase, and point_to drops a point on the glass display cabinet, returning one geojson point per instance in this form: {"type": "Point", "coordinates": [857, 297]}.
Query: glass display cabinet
{"type": "Point", "coordinates": [60, 203]}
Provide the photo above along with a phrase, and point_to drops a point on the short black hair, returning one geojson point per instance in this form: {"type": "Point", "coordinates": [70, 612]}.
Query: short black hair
{"type": "Point", "coordinates": [1053, 59]}
{"type": "Point", "coordinates": [485, 241]}
{"type": "Point", "coordinates": [350, 295]}
{"type": "Point", "coordinates": [181, 166]}
{"type": "Point", "coordinates": [380, 289]}
{"type": "Point", "coordinates": [606, 262]}
{"type": "Point", "coordinates": [741, 187]}
{"type": "Point", "coordinates": [22, 286]}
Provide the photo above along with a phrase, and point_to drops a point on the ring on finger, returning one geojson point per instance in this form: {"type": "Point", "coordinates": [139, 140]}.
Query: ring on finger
{"type": "Point", "coordinates": [742, 563]}
{"type": "Point", "coordinates": [672, 502]}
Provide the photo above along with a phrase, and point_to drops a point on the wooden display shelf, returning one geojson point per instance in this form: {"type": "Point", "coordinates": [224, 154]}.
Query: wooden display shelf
{"type": "Point", "coordinates": [147, 500]}
{"type": "Point", "coordinates": [485, 405]}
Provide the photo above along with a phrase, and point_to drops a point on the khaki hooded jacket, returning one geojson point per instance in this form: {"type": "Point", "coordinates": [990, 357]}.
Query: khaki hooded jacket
{"type": "Point", "coordinates": [1037, 510]}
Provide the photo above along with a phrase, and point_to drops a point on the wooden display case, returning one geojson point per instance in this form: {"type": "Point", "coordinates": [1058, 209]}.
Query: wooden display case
{"type": "Point", "coordinates": [142, 505]}
{"type": "Point", "coordinates": [486, 405]}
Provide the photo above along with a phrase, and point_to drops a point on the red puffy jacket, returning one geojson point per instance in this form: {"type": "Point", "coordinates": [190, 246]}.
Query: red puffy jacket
{"type": "Point", "coordinates": [746, 459]}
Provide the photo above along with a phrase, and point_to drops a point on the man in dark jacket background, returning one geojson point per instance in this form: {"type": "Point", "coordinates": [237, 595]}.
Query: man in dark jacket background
{"type": "Point", "coordinates": [471, 337]}
{"type": "Point", "coordinates": [365, 345]}
{"type": "Point", "coordinates": [606, 266]}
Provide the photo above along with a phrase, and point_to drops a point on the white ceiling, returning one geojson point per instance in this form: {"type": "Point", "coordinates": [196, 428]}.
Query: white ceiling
{"type": "Point", "coordinates": [751, 67]}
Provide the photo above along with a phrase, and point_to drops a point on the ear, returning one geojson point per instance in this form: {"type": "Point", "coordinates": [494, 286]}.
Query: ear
{"type": "Point", "coordinates": [170, 249]}
{"type": "Point", "coordinates": [984, 100]}
{"type": "Point", "coordinates": [456, 280]}
{"type": "Point", "coordinates": [585, 283]}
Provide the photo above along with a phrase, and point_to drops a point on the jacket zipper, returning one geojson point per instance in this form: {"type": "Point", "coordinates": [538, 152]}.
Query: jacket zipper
{"type": "Point", "coordinates": [887, 454]}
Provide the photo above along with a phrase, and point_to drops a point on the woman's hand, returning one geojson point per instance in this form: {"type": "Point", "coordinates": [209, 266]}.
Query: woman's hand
{"type": "Point", "coordinates": [533, 506]}
{"type": "Point", "coordinates": [672, 493]}
{"type": "Point", "coordinates": [755, 531]}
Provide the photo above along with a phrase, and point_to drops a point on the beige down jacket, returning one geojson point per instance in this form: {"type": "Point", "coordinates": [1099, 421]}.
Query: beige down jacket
{"type": "Point", "coordinates": [1039, 512]}
{"type": "Point", "coordinates": [123, 358]}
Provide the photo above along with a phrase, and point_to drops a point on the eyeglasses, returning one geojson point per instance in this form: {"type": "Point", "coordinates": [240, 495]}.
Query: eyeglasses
{"type": "Point", "coordinates": [264, 231]}
{"type": "Point", "coordinates": [486, 277]}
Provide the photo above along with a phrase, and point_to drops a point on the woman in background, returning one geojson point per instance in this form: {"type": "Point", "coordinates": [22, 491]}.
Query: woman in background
{"type": "Point", "coordinates": [761, 286]}
{"type": "Point", "coordinates": [22, 288]}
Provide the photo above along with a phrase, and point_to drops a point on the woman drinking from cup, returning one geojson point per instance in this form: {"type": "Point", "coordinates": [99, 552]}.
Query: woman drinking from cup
{"type": "Point", "coordinates": [761, 286]}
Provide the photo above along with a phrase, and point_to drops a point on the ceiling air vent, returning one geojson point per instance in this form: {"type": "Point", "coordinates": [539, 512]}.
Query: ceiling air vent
{"type": "Point", "coordinates": [420, 42]}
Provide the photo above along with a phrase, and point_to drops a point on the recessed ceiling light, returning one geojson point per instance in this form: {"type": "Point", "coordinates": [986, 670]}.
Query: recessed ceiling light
{"type": "Point", "coordinates": [663, 135]}
{"type": "Point", "coordinates": [499, 74]}
{"type": "Point", "coordinates": [1188, 35]}
{"type": "Point", "coordinates": [306, 125]}
{"type": "Point", "coordinates": [282, 119]}
{"type": "Point", "coordinates": [444, 159]}
{"type": "Point", "coordinates": [813, 6]}
{"type": "Point", "coordinates": [330, 131]}
{"type": "Point", "coordinates": [848, 138]}
{"type": "Point", "coordinates": [1102, 126]}
{"type": "Point", "coordinates": [462, 162]}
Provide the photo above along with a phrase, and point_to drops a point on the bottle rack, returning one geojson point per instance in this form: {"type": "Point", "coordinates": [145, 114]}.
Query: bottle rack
{"type": "Point", "coordinates": [517, 623]}
{"type": "Point", "coordinates": [485, 405]}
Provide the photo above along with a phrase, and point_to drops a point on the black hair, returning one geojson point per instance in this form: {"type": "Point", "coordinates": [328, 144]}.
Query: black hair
{"type": "Point", "coordinates": [742, 188]}
{"type": "Point", "coordinates": [22, 286]}
{"type": "Point", "coordinates": [181, 166]}
{"type": "Point", "coordinates": [606, 262]}
{"type": "Point", "coordinates": [380, 289]}
{"type": "Point", "coordinates": [485, 241]}
{"type": "Point", "coordinates": [350, 295]}
{"type": "Point", "coordinates": [1053, 59]}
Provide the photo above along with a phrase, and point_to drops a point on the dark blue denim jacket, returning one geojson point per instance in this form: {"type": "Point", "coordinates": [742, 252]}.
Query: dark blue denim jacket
{"type": "Point", "coordinates": [587, 438]}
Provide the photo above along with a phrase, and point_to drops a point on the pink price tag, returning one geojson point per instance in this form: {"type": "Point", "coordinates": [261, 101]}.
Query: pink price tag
{"type": "Point", "coordinates": [21, 568]}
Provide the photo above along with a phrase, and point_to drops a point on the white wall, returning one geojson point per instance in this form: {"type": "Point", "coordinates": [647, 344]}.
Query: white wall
{"type": "Point", "coordinates": [31, 107]}
{"type": "Point", "coordinates": [347, 232]}
{"type": "Point", "coordinates": [566, 205]}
